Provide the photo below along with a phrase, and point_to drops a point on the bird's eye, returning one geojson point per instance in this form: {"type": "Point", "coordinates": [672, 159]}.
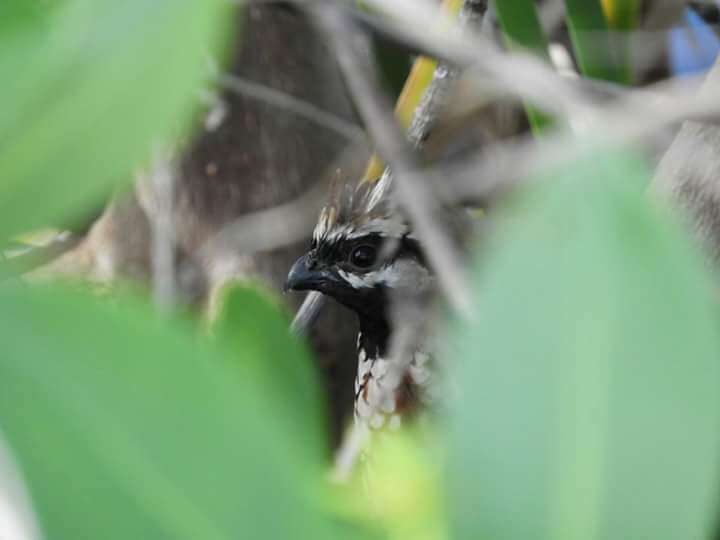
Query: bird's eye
{"type": "Point", "coordinates": [363, 256]}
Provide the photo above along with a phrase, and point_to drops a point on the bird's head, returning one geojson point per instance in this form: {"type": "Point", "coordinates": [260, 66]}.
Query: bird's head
{"type": "Point", "coordinates": [362, 253]}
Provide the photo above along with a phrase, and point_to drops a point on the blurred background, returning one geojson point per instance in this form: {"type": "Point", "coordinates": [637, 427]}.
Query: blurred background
{"type": "Point", "coordinates": [163, 164]}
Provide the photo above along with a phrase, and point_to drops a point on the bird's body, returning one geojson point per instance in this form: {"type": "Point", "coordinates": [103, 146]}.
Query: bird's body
{"type": "Point", "coordinates": [364, 255]}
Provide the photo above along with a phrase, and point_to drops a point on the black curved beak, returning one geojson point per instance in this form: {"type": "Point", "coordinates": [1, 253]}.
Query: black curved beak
{"type": "Point", "coordinates": [305, 275]}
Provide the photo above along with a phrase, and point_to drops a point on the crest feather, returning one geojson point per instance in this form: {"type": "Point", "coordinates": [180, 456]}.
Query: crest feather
{"type": "Point", "coordinates": [355, 211]}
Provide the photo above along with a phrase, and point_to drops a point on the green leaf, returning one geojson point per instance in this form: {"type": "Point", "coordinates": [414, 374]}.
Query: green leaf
{"type": "Point", "coordinates": [127, 426]}
{"type": "Point", "coordinates": [588, 383]}
{"type": "Point", "coordinates": [254, 329]}
{"type": "Point", "coordinates": [522, 30]}
{"type": "Point", "coordinates": [600, 55]}
{"type": "Point", "coordinates": [393, 65]}
{"type": "Point", "coordinates": [90, 87]}
{"type": "Point", "coordinates": [623, 14]}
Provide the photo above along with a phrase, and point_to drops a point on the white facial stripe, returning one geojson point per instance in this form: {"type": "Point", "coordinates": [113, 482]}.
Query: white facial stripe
{"type": "Point", "coordinates": [338, 233]}
{"type": "Point", "coordinates": [400, 274]}
{"type": "Point", "coordinates": [355, 280]}
{"type": "Point", "coordinates": [322, 234]}
{"type": "Point", "coordinates": [380, 226]}
{"type": "Point", "coordinates": [378, 277]}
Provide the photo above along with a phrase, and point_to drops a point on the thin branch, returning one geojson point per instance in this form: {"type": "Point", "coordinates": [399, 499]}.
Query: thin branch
{"type": "Point", "coordinates": [308, 313]}
{"type": "Point", "coordinates": [156, 196]}
{"type": "Point", "coordinates": [500, 167]}
{"type": "Point", "coordinates": [347, 455]}
{"type": "Point", "coordinates": [282, 100]}
{"type": "Point", "coordinates": [272, 228]}
{"type": "Point", "coordinates": [436, 94]}
{"type": "Point", "coordinates": [30, 258]}
{"type": "Point", "coordinates": [688, 172]}
{"type": "Point", "coordinates": [522, 75]}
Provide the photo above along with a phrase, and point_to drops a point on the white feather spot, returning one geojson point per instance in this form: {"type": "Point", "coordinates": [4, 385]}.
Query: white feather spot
{"type": "Point", "coordinates": [377, 421]}
{"type": "Point", "coordinates": [379, 368]}
{"type": "Point", "coordinates": [363, 369]}
{"type": "Point", "coordinates": [388, 404]}
{"type": "Point", "coordinates": [420, 358]}
{"type": "Point", "coordinates": [402, 274]}
{"type": "Point", "coordinates": [420, 375]}
{"type": "Point", "coordinates": [362, 408]}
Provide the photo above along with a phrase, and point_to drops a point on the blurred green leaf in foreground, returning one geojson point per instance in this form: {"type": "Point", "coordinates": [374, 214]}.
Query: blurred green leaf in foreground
{"type": "Point", "coordinates": [252, 322]}
{"type": "Point", "coordinates": [127, 426]}
{"type": "Point", "coordinates": [588, 403]}
{"type": "Point", "coordinates": [89, 86]}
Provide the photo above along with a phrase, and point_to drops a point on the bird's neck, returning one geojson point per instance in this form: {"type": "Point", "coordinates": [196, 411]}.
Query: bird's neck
{"type": "Point", "coordinates": [374, 335]}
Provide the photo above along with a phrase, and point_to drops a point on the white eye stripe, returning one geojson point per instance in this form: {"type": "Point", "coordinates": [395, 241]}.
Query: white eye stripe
{"type": "Point", "coordinates": [392, 275]}
{"type": "Point", "coordinates": [356, 281]}
{"type": "Point", "coordinates": [384, 227]}
{"type": "Point", "coordinates": [327, 231]}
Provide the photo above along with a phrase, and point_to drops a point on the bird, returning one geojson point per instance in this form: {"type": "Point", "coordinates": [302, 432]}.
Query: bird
{"type": "Point", "coordinates": [364, 254]}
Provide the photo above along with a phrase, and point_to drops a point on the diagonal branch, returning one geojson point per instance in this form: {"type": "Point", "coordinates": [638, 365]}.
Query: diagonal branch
{"type": "Point", "coordinates": [285, 101]}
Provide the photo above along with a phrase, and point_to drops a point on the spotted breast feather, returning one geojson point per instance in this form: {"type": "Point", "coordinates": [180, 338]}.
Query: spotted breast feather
{"type": "Point", "coordinates": [382, 401]}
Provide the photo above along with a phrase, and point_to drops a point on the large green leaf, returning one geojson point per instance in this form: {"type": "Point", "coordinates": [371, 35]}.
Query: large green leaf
{"type": "Point", "coordinates": [89, 87]}
{"type": "Point", "coordinates": [588, 403]}
{"type": "Point", "coordinates": [127, 426]}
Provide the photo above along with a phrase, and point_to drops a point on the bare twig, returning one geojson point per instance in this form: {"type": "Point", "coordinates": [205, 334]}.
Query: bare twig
{"type": "Point", "coordinates": [308, 312]}
{"type": "Point", "coordinates": [435, 96]}
{"type": "Point", "coordinates": [500, 167]}
{"type": "Point", "coordinates": [268, 229]}
{"type": "Point", "coordinates": [157, 195]}
{"type": "Point", "coordinates": [522, 75]}
{"type": "Point", "coordinates": [347, 455]}
{"type": "Point", "coordinates": [285, 101]}
{"type": "Point", "coordinates": [30, 258]}
{"type": "Point", "coordinates": [689, 171]}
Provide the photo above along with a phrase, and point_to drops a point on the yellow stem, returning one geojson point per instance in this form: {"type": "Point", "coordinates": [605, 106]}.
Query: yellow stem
{"type": "Point", "coordinates": [417, 82]}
